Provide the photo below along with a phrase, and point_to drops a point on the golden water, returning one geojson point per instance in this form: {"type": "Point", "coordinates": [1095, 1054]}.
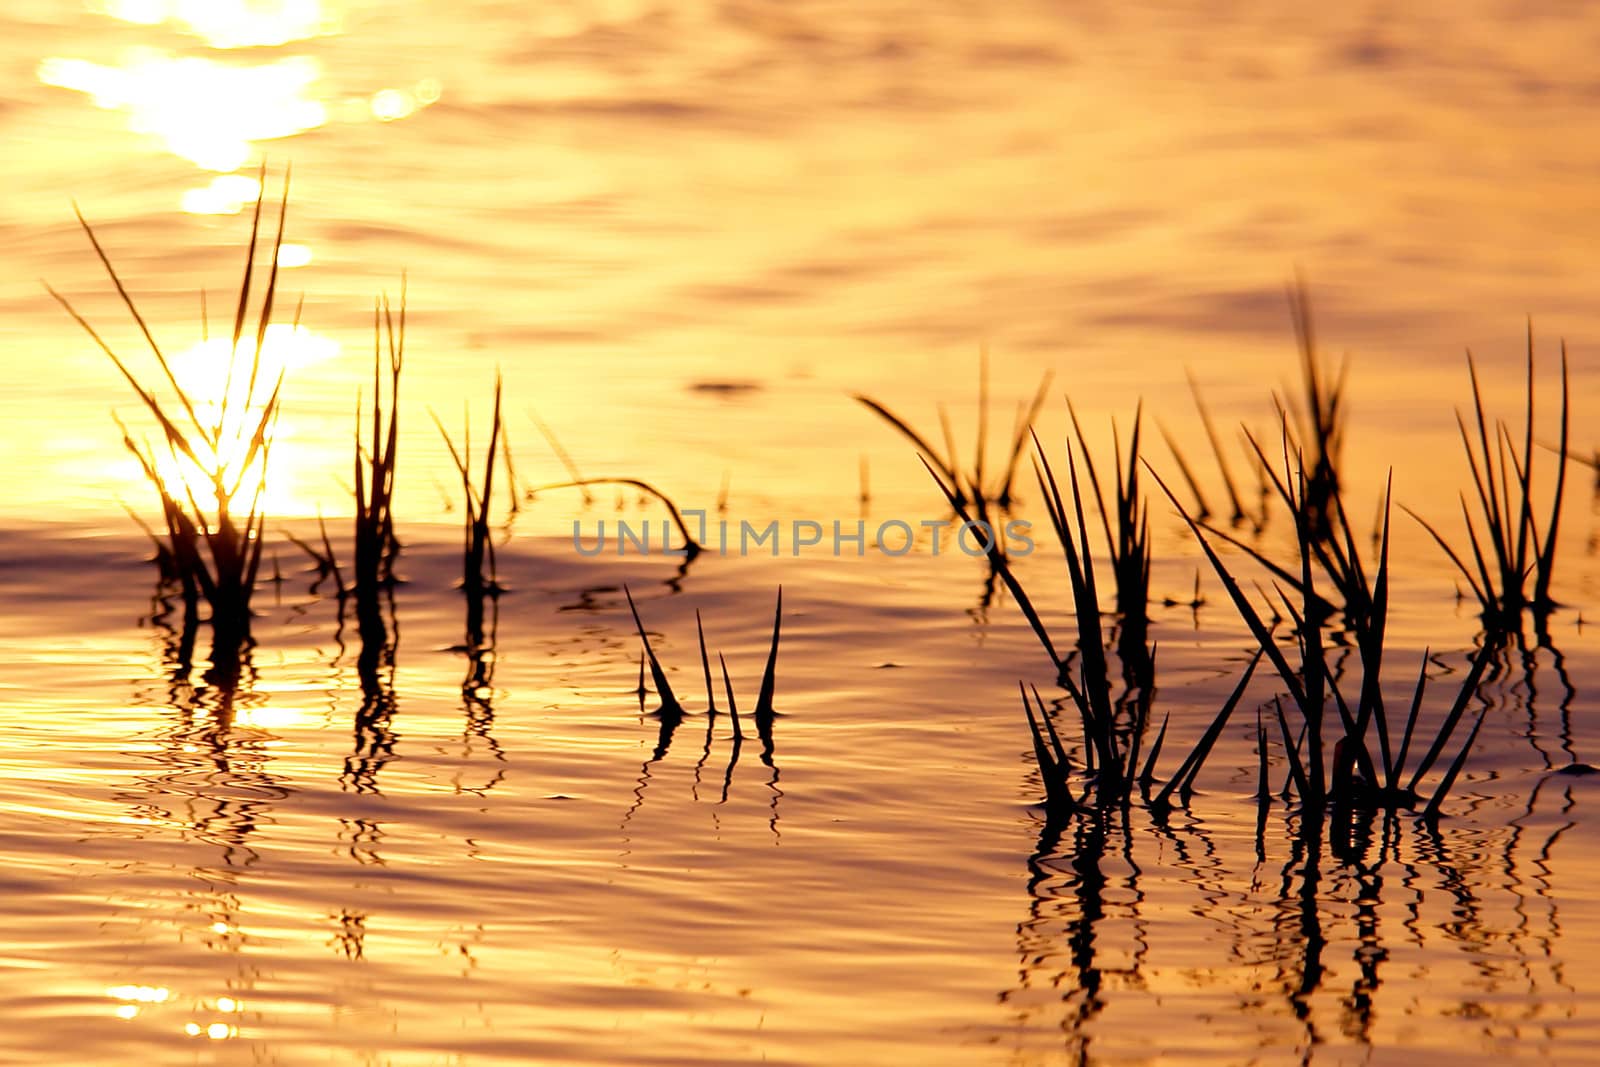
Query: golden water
{"type": "Point", "coordinates": [686, 233]}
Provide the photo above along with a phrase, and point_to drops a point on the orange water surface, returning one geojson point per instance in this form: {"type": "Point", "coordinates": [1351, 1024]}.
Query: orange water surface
{"type": "Point", "coordinates": [687, 234]}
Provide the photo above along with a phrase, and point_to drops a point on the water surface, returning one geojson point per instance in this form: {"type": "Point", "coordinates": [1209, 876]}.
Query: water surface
{"type": "Point", "coordinates": [686, 234]}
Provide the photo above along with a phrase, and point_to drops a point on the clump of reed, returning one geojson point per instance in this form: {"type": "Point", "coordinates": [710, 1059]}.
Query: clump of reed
{"type": "Point", "coordinates": [1315, 422]}
{"type": "Point", "coordinates": [376, 546]}
{"type": "Point", "coordinates": [671, 713]}
{"type": "Point", "coordinates": [1111, 756]}
{"type": "Point", "coordinates": [1518, 548]}
{"type": "Point", "coordinates": [1128, 547]}
{"type": "Point", "coordinates": [975, 487]}
{"type": "Point", "coordinates": [1203, 509]}
{"type": "Point", "coordinates": [479, 583]}
{"type": "Point", "coordinates": [1319, 416]}
{"type": "Point", "coordinates": [215, 448]}
{"type": "Point", "coordinates": [1113, 726]}
{"type": "Point", "coordinates": [1331, 542]}
{"type": "Point", "coordinates": [1362, 770]}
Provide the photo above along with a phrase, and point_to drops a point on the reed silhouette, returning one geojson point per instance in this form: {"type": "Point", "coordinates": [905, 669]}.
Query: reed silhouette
{"type": "Point", "coordinates": [671, 712]}
{"type": "Point", "coordinates": [576, 480]}
{"type": "Point", "coordinates": [376, 545]}
{"type": "Point", "coordinates": [1518, 548]}
{"type": "Point", "coordinates": [1314, 418]}
{"type": "Point", "coordinates": [479, 585]}
{"type": "Point", "coordinates": [1351, 775]}
{"type": "Point", "coordinates": [974, 488]}
{"type": "Point", "coordinates": [690, 549]}
{"type": "Point", "coordinates": [1317, 418]}
{"type": "Point", "coordinates": [214, 447]}
{"type": "Point", "coordinates": [1128, 548]}
{"type": "Point", "coordinates": [1238, 514]}
{"type": "Point", "coordinates": [1113, 727]}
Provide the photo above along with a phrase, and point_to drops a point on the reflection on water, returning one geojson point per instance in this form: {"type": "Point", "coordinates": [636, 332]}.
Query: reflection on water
{"type": "Point", "coordinates": [207, 111]}
{"type": "Point", "coordinates": [215, 110]}
{"type": "Point", "coordinates": [373, 740]}
{"type": "Point", "coordinates": [227, 194]}
{"type": "Point", "coordinates": [1302, 954]}
{"type": "Point", "coordinates": [261, 863]}
{"type": "Point", "coordinates": [477, 688]}
{"type": "Point", "coordinates": [213, 783]}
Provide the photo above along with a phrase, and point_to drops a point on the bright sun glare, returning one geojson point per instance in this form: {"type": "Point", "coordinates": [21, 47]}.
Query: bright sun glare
{"type": "Point", "coordinates": [212, 110]}
{"type": "Point", "coordinates": [203, 368]}
{"type": "Point", "coordinates": [206, 111]}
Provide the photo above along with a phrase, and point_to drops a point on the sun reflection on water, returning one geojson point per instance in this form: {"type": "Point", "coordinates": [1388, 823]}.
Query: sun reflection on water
{"type": "Point", "coordinates": [227, 194]}
{"type": "Point", "coordinates": [213, 110]}
{"type": "Point", "coordinates": [143, 994]}
{"type": "Point", "coordinates": [204, 110]}
{"type": "Point", "coordinates": [135, 997]}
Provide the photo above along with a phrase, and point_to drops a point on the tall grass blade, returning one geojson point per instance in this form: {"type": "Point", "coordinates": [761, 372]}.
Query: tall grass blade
{"type": "Point", "coordinates": [1431, 812]}
{"type": "Point", "coordinates": [1469, 688]}
{"type": "Point", "coordinates": [770, 675]}
{"type": "Point", "coordinates": [705, 664]}
{"type": "Point", "coordinates": [1147, 777]}
{"type": "Point", "coordinates": [1216, 447]}
{"type": "Point", "coordinates": [657, 674]}
{"type": "Point", "coordinates": [1190, 767]}
{"type": "Point", "coordinates": [998, 561]}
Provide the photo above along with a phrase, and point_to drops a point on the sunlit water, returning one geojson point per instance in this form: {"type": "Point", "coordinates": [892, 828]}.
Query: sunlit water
{"type": "Point", "coordinates": [686, 234]}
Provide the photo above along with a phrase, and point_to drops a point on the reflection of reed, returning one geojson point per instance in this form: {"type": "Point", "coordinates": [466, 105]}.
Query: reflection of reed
{"type": "Point", "coordinates": [175, 618]}
{"type": "Point", "coordinates": [211, 787]}
{"type": "Point", "coordinates": [483, 627]}
{"type": "Point", "coordinates": [373, 736]}
{"type": "Point", "coordinates": [1478, 899]}
{"type": "Point", "coordinates": [212, 783]}
{"type": "Point", "coordinates": [1085, 886]}
{"type": "Point", "coordinates": [177, 640]}
{"type": "Point", "coordinates": [350, 939]}
{"type": "Point", "coordinates": [1515, 663]}
{"type": "Point", "coordinates": [1297, 924]}
{"type": "Point", "coordinates": [1066, 903]}
{"type": "Point", "coordinates": [477, 688]}
{"type": "Point", "coordinates": [1543, 941]}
